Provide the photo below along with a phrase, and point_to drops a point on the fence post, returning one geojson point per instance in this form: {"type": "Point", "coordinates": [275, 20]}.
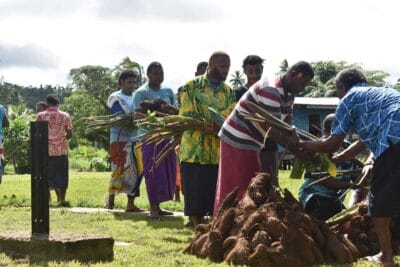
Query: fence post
{"type": "Point", "coordinates": [39, 183]}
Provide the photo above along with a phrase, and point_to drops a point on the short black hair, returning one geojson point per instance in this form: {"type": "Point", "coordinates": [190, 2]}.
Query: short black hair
{"type": "Point", "coordinates": [52, 100]}
{"type": "Point", "coordinates": [218, 54]}
{"type": "Point", "coordinates": [125, 74]}
{"type": "Point", "coordinates": [303, 67]}
{"type": "Point", "coordinates": [152, 66]}
{"type": "Point", "coordinates": [252, 60]}
{"type": "Point", "coordinates": [202, 64]}
{"type": "Point", "coordinates": [41, 103]}
{"type": "Point", "coordinates": [327, 123]}
{"type": "Point", "coordinates": [350, 77]}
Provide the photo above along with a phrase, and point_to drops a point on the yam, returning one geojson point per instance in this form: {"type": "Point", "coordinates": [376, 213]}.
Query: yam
{"type": "Point", "coordinates": [240, 253]}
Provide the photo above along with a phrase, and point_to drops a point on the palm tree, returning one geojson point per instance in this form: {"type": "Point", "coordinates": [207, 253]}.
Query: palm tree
{"type": "Point", "coordinates": [283, 67]}
{"type": "Point", "coordinates": [237, 79]}
{"type": "Point", "coordinates": [127, 63]}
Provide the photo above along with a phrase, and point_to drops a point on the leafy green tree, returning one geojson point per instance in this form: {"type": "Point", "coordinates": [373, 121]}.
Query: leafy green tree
{"type": "Point", "coordinates": [80, 105]}
{"type": "Point", "coordinates": [237, 79]}
{"type": "Point", "coordinates": [325, 73]}
{"type": "Point", "coordinates": [283, 67]}
{"type": "Point", "coordinates": [127, 63]}
{"type": "Point", "coordinates": [97, 81]}
{"type": "Point", "coordinates": [16, 138]}
{"type": "Point", "coordinates": [397, 85]}
{"type": "Point", "coordinates": [91, 87]}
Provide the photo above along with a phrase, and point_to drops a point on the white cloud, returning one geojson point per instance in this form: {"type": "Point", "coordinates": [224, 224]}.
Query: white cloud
{"type": "Point", "coordinates": [12, 55]}
{"type": "Point", "coordinates": [180, 33]}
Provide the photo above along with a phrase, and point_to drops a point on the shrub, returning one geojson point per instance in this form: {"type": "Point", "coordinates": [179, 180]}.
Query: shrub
{"type": "Point", "coordinates": [98, 164]}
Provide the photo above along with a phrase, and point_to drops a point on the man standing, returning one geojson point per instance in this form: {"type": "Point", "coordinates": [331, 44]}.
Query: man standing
{"type": "Point", "coordinates": [60, 130]}
{"type": "Point", "coordinates": [373, 113]}
{"type": "Point", "coordinates": [242, 140]}
{"type": "Point", "coordinates": [3, 123]}
{"type": "Point", "coordinates": [253, 69]}
{"type": "Point", "coordinates": [199, 150]}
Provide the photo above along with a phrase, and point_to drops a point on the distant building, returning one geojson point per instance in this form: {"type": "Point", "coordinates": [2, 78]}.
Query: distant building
{"type": "Point", "coordinates": [309, 112]}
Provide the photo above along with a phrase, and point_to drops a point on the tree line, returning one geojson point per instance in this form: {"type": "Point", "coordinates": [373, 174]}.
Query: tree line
{"type": "Point", "coordinates": [90, 86]}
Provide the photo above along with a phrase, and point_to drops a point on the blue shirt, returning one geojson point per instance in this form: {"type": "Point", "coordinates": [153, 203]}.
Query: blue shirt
{"type": "Point", "coordinates": [119, 103]}
{"type": "Point", "coordinates": [147, 93]}
{"type": "Point", "coordinates": [1, 121]}
{"type": "Point", "coordinates": [306, 192]}
{"type": "Point", "coordinates": [373, 113]}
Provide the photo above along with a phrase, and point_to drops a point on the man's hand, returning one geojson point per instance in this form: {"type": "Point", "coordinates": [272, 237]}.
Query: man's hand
{"type": "Point", "coordinates": [210, 127]}
{"type": "Point", "coordinates": [293, 138]}
{"type": "Point", "coordinates": [338, 158]}
{"type": "Point", "coordinates": [365, 173]}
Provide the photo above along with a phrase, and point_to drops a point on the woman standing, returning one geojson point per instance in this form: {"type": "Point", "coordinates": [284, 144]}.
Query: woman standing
{"type": "Point", "coordinates": [160, 180]}
{"type": "Point", "coordinates": [125, 161]}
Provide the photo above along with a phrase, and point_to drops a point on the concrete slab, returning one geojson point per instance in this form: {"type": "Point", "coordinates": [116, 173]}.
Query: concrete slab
{"type": "Point", "coordinates": [57, 246]}
{"type": "Point", "coordinates": [94, 210]}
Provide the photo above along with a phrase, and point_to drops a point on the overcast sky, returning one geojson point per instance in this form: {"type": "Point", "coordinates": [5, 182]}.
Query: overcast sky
{"type": "Point", "coordinates": [41, 40]}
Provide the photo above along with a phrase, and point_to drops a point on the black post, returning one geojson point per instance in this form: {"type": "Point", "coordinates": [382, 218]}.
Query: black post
{"type": "Point", "coordinates": [39, 184]}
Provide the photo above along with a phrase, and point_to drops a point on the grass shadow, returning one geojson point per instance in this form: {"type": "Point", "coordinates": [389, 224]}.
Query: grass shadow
{"type": "Point", "coordinates": [175, 222]}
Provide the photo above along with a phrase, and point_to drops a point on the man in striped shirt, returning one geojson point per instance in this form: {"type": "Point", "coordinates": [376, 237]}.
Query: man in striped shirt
{"type": "Point", "coordinates": [242, 140]}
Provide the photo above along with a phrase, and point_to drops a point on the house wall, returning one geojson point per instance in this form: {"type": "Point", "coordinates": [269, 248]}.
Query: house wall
{"type": "Point", "coordinates": [301, 115]}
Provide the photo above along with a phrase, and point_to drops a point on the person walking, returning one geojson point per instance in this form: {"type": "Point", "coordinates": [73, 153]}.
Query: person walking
{"type": "Point", "coordinates": [60, 130]}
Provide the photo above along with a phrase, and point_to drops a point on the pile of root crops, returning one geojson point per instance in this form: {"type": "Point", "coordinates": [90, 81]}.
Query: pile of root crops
{"type": "Point", "coordinates": [268, 227]}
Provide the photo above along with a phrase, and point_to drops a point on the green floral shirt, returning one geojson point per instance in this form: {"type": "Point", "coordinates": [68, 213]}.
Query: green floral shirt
{"type": "Point", "coordinates": [197, 95]}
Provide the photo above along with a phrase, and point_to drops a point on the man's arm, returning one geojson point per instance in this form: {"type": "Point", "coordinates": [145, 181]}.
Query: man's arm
{"type": "Point", "coordinates": [68, 134]}
{"type": "Point", "coordinates": [349, 153]}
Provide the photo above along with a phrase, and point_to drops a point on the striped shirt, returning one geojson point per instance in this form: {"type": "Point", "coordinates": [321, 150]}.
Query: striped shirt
{"type": "Point", "coordinates": [244, 134]}
{"type": "Point", "coordinates": [373, 113]}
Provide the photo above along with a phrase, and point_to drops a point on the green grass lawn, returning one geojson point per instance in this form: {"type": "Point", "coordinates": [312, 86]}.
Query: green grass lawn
{"type": "Point", "coordinates": [146, 243]}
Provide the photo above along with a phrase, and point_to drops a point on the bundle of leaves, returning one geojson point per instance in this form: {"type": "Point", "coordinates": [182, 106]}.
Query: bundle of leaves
{"type": "Point", "coordinates": [318, 161]}
{"type": "Point", "coordinates": [171, 127]}
{"type": "Point", "coordinates": [267, 227]}
{"type": "Point", "coordinates": [98, 123]}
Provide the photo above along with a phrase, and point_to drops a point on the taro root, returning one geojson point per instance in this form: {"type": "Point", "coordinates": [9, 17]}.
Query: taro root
{"type": "Point", "coordinates": [228, 244]}
{"type": "Point", "coordinates": [260, 237]}
{"type": "Point", "coordinates": [337, 249]}
{"type": "Point", "coordinates": [230, 201]}
{"type": "Point", "coordinates": [254, 218]}
{"type": "Point", "coordinates": [215, 247]}
{"type": "Point", "coordinates": [252, 231]}
{"type": "Point", "coordinates": [199, 231]}
{"type": "Point", "coordinates": [240, 253]}
{"type": "Point", "coordinates": [353, 249]}
{"type": "Point", "coordinates": [224, 224]}
{"type": "Point", "coordinates": [275, 228]}
{"type": "Point", "coordinates": [293, 239]}
{"type": "Point", "coordinates": [197, 248]}
{"type": "Point", "coordinates": [260, 257]}
{"type": "Point", "coordinates": [202, 228]}
{"type": "Point", "coordinates": [290, 199]}
{"type": "Point", "coordinates": [274, 209]}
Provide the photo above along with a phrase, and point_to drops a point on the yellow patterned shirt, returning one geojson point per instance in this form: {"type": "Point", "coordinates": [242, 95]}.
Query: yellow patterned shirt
{"type": "Point", "coordinates": [197, 95]}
